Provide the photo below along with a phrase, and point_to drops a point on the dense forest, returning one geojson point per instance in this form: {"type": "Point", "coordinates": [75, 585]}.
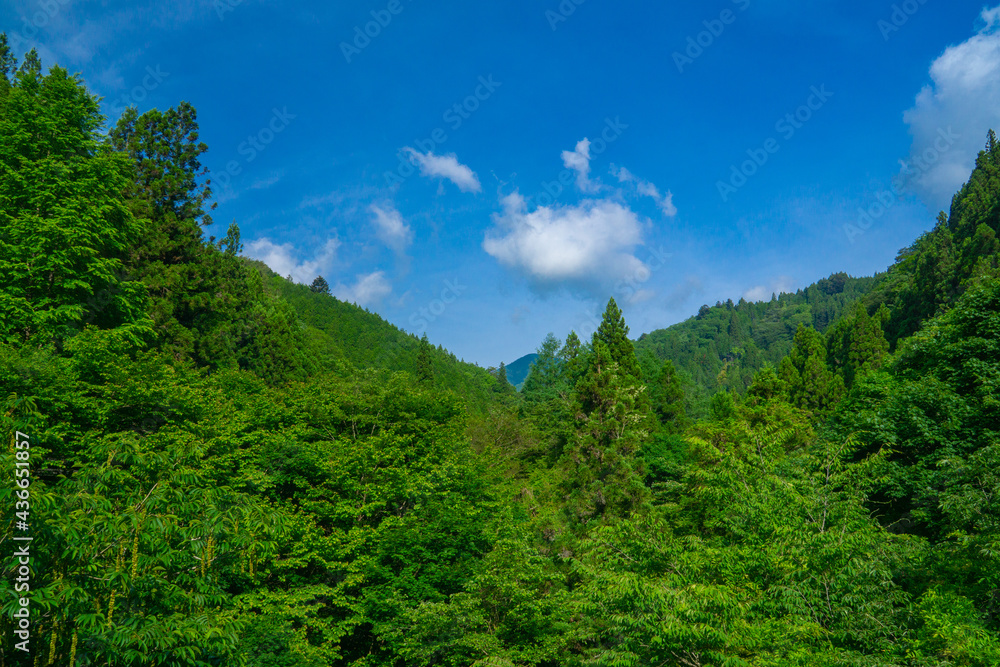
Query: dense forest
{"type": "Point", "coordinates": [230, 469]}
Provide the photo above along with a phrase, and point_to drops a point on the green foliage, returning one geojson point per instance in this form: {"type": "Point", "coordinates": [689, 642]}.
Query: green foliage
{"type": "Point", "coordinates": [65, 226]}
{"type": "Point", "coordinates": [337, 333]}
{"type": "Point", "coordinates": [604, 474]}
{"type": "Point", "coordinates": [320, 285]}
{"type": "Point", "coordinates": [809, 381]}
{"type": "Point", "coordinates": [724, 346]}
{"type": "Point", "coordinates": [425, 370]}
{"type": "Point", "coordinates": [613, 334]}
{"type": "Point", "coordinates": [232, 469]}
{"type": "Point", "coordinates": [545, 380]}
{"type": "Point", "coordinates": [932, 273]}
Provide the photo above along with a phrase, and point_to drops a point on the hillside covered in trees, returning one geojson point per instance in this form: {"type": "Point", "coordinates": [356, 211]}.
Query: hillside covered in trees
{"type": "Point", "coordinates": [225, 468]}
{"type": "Point", "coordinates": [725, 345]}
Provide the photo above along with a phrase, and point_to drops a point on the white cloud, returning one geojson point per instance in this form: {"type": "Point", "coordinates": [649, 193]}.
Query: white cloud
{"type": "Point", "coordinates": [390, 228]}
{"type": "Point", "coordinates": [951, 116]}
{"type": "Point", "coordinates": [283, 259]}
{"type": "Point", "coordinates": [586, 246]}
{"type": "Point", "coordinates": [265, 183]}
{"type": "Point", "coordinates": [367, 290]}
{"type": "Point", "coordinates": [579, 161]}
{"type": "Point", "coordinates": [647, 189]}
{"type": "Point", "coordinates": [446, 166]}
{"type": "Point", "coordinates": [782, 285]}
{"type": "Point", "coordinates": [692, 287]}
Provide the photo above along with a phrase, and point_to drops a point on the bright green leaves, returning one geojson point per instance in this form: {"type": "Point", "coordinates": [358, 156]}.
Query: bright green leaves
{"type": "Point", "coordinates": [953, 632]}
{"type": "Point", "coordinates": [64, 225]}
{"type": "Point", "coordinates": [810, 383]}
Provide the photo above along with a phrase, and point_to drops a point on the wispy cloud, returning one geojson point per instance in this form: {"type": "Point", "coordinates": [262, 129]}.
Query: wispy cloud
{"type": "Point", "coordinates": [447, 167]}
{"type": "Point", "coordinates": [390, 227]}
{"type": "Point", "coordinates": [285, 260]}
{"type": "Point", "coordinates": [647, 189]}
{"type": "Point", "coordinates": [578, 160]}
{"type": "Point", "coordinates": [367, 290]}
{"type": "Point", "coordinates": [265, 183]}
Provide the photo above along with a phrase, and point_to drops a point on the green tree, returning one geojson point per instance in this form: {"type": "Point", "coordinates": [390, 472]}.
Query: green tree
{"type": "Point", "coordinates": [857, 344]}
{"type": "Point", "coordinates": [573, 356]}
{"type": "Point", "coordinates": [613, 334]}
{"type": "Point", "coordinates": [65, 228]}
{"type": "Point", "coordinates": [320, 286]}
{"type": "Point", "coordinates": [545, 379]}
{"type": "Point", "coordinates": [810, 383]}
{"type": "Point", "coordinates": [667, 398]}
{"type": "Point", "coordinates": [604, 473]}
{"type": "Point", "coordinates": [503, 384]}
{"type": "Point", "coordinates": [425, 367]}
{"type": "Point", "coordinates": [8, 64]}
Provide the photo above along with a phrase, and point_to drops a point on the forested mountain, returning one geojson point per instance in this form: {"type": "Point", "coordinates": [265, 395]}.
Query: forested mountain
{"type": "Point", "coordinates": [223, 468]}
{"type": "Point", "coordinates": [517, 371]}
{"type": "Point", "coordinates": [725, 345]}
{"type": "Point", "coordinates": [339, 331]}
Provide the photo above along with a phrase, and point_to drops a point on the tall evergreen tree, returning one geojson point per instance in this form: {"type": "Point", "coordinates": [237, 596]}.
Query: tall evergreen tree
{"type": "Point", "coordinates": [857, 343]}
{"type": "Point", "coordinates": [8, 63]}
{"type": "Point", "coordinates": [613, 334]}
{"type": "Point", "coordinates": [810, 383]}
{"type": "Point", "coordinates": [425, 367]}
{"type": "Point", "coordinates": [503, 384]}
{"type": "Point", "coordinates": [31, 68]}
{"type": "Point", "coordinates": [573, 356]}
{"type": "Point", "coordinates": [667, 398]}
{"type": "Point", "coordinates": [320, 285]}
{"type": "Point", "coordinates": [172, 258]}
{"type": "Point", "coordinates": [604, 475]}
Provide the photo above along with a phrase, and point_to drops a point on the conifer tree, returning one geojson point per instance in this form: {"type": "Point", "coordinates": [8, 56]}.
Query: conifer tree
{"type": "Point", "coordinates": [320, 286]}
{"type": "Point", "coordinates": [667, 397]}
{"type": "Point", "coordinates": [573, 356]}
{"type": "Point", "coordinates": [810, 383]}
{"type": "Point", "coordinates": [503, 384]}
{"type": "Point", "coordinates": [603, 470]}
{"type": "Point", "coordinates": [425, 368]}
{"type": "Point", "coordinates": [31, 68]}
{"type": "Point", "coordinates": [613, 333]}
{"type": "Point", "coordinates": [857, 344]}
{"type": "Point", "coordinates": [544, 378]}
{"type": "Point", "coordinates": [172, 258]}
{"type": "Point", "coordinates": [8, 63]}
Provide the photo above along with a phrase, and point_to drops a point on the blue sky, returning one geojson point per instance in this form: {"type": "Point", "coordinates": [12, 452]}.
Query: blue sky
{"type": "Point", "coordinates": [490, 172]}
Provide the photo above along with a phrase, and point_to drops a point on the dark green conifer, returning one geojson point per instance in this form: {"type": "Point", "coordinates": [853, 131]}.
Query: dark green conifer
{"type": "Point", "coordinates": [613, 334]}
{"type": "Point", "coordinates": [425, 367]}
